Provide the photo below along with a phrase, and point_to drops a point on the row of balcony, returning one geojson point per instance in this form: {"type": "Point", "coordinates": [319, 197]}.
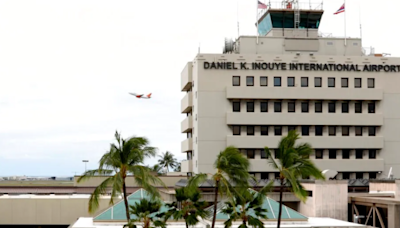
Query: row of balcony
{"type": "Point", "coordinates": [344, 165]}
{"type": "Point", "coordinates": [326, 142]}
{"type": "Point", "coordinates": [332, 119]}
{"type": "Point", "coordinates": [291, 93]}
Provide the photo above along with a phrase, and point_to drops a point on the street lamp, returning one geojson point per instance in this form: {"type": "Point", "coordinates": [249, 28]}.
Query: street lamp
{"type": "Point", "coordinates": [85, 161]}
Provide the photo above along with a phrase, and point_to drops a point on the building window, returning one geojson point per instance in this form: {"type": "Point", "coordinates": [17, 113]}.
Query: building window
{"type": "Point", "coordinates": [345, 131]}
{"type": "Point", "coordinates": [291, 128]}
{"type": "Point", "coordinates": [264, 176]}
{"type": "Point", "coordinates": [236, 130]}
{"type": "Point", "coordinates": [332, 130]}
{"type": "Point", "coordinates": [359, 131]}
{"type": "Point", "coordinates": [250, 81]}
{"type": "Point", "coordinates": [318, 107]}
{"type": "Point", "coordinates": [277, 81]}
{"type": "Point", "coordinates": [277, 106]}
{"type": "Point", "coordinates": [250, 154]}
{"type": "Point", "coordinates": [305, 130]}
{"type": "Point", "coordinates": [358, 107]}
{"type": "Point", "coordinates": [304, 106]}
{"type": "Point", "coordinates": [371, 82]}
{"type": "Point", "coordinates": [345, 107]}
{"type": "Point", "coordinates": [357, 83]}
{"type": "Point", "coordinates": [371, 131]}
{"type": "Point", "coordinates": [291, 106]}
{"type": "Point", "coordinates": [372, 175]}
{"type": "Point", "coordinates": [278, 130]}
{"type": "Point", "coordinates": [264, 130]}
{"type": "Point", "coordinates": [317, 82]}
{"type": "Point", "coordinates": [371, 107]}
{"type": "Point", "coordinates": [331, 82]}
{"type": "Point", "coordinates": [250, 130]}
{"type": "Point", "coordinates": [290, 82]}
{"type": "Point", "coordinates": [332, 154]}
{"type": "Point", "coordinates": [346, 154]}
{"type": "Point", "coordinates": [236, 80]}
{"type": "Point", "coordinates": [263, 81]}
{"type": "Point", "coordinates": [250, 106]}
{"type": "Point", "coordinates": [319, 130]}
{"type": "Point", "coordinates": [264, 154]}
{"type": "Point", "coordinates": [277, 175]}
{"type": "Point", "coordinates": [304, 81]}
{"type": "Point", "coordinates": [319, 154]}
{"type": "Point", "coordinates": [359, 175]}
{"type": "Point", "coordinates": [345, 82]}
{"type": "Point", "coordinates": [345, 176]}
{"type": "Point", "coordinates": [236, 106]}
{"type": "Point", "coordinates": [264, 106]}
{"type": "Point", "coordinates": [359, 154]}
{"type": "Point", "coordinates": [331, 107]}
{"type": "Point", "coordinates": [372, 154]}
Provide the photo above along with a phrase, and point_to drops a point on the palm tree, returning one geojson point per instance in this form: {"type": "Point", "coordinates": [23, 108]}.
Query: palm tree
{"type": "Point", "coordinates": [293, 163]}
{"type": "Point", "coordinates": [148, 213]}
{"type": "Point", "coordinates": [246, 205]}
{"type": "Point", "coordinates": [157, 169]}
{"type": "Point", "coordinates": [178, 167]}
{"type": "Point", "coordinates": [125, 157]}
{"type": "Point", "coordinates": [167, 160]}
{"type": "Point", "coordinates": [187, 206]}
{"type": "Point", "coordinates": [231, 168]}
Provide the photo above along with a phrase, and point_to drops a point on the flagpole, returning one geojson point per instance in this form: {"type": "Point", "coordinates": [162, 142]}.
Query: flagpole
{"type": "Point", "coordinates": [359, 13]}
{"type": "Point", "coordinates": [237, 9]}
{"type": "Point", "coordinates": [345, 37]}
{"type": "Point", "coordinates": [257, 18]}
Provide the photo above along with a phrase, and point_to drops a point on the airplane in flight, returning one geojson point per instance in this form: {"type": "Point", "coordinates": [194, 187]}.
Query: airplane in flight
{"type": "Point", "coordinates": [148, 96]}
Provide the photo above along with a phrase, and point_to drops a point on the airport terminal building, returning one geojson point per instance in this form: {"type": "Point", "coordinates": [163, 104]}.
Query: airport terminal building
{"type": "Point", "coordinates": [341, 100]}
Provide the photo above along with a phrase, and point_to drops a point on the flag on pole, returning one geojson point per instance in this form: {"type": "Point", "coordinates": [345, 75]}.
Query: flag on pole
{"type": "Point", "coordinates": [340, 10]}
{"type": "Point", "coordinates": [261, 5]}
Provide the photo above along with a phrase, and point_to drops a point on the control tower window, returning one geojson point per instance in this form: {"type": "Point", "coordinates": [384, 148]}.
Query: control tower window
{"type": "Point", "coordinates": [277, 81]}
{"type": "Point", "coordinates": [331, 82]}
{"type": "Point", "coordinates": [250, 81]}
{"type": "Point", "coordinates": [263, 81]}
{"type": "Point", "coordinates": [236, 80]}
{"type": "Point", "coordinates": [371, 82]}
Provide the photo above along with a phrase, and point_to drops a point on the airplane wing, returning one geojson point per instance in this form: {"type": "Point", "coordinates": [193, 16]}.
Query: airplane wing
{"type": "Point", "coordinates": [135, 94]}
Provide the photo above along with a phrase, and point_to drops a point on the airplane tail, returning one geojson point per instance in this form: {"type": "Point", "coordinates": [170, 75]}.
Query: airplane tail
{"type": "Point", "coordinates": [149, 95]}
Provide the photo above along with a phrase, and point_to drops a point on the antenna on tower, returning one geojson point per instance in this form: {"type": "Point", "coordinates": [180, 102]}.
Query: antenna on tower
{"type": "Point", "coordinates": [237, 9]}
{"type": "Point", "coordinates": [199, 48]}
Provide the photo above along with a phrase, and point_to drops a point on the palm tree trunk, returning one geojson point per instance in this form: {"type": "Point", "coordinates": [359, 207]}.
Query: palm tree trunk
{"type": "Point", "coordinates": [187, 226]}
{"type": "Point", "coordinates": [126, 201]}
{"type": "Point", "coordinates": [280, 204]}
{"type": "Point", "coordinates": [215, 204]}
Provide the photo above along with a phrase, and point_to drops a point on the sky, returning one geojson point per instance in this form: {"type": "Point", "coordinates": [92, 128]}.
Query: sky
{"type": "Point", "coordinates": [67, 66]}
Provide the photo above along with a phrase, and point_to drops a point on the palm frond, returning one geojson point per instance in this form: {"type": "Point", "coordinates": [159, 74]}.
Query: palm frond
{"type": "Point", "coordinates": [98, 191]}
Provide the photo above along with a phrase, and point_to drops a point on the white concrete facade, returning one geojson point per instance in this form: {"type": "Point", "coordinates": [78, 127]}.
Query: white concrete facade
{"type": "Point", "coordinates": [360, 125]}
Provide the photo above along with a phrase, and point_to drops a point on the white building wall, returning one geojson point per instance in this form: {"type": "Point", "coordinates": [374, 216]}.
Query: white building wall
{"type": "Point", "coordinates": [213, 117]}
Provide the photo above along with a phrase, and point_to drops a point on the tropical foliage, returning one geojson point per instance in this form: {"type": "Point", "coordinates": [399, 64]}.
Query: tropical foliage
{"type": "Point", "coordinates": [148, 213]}
{"type": "Point", "coordinates": [293, 163]}
{"type": "Point", "coordinates": [187, 206]}
{"type": "Point", "coordinates": [167, 160]}
{"type": "Point", "coordinates": [124, 157]}
{"type": "Point", "coordinates": [230, 180]}
{"type": "Point", "coordinates": [247, 206]}
{"type": "Point", "coordinates": [231, 168]}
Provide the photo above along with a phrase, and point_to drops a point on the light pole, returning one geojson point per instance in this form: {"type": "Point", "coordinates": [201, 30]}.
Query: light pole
{"type": "Point", "coordinates": [85, 161]}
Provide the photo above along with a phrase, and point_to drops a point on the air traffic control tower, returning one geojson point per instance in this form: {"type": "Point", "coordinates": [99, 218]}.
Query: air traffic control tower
{"type": "Point", "coordinates": [290, 19]}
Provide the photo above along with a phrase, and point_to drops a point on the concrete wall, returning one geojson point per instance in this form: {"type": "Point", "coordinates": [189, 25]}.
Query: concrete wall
{"type": "Point", "coordinates": [329, 199]}
{"type": "Point", "coordinates": [45, 211]}
{"type": "Point", "coordinates": [169, 181]}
